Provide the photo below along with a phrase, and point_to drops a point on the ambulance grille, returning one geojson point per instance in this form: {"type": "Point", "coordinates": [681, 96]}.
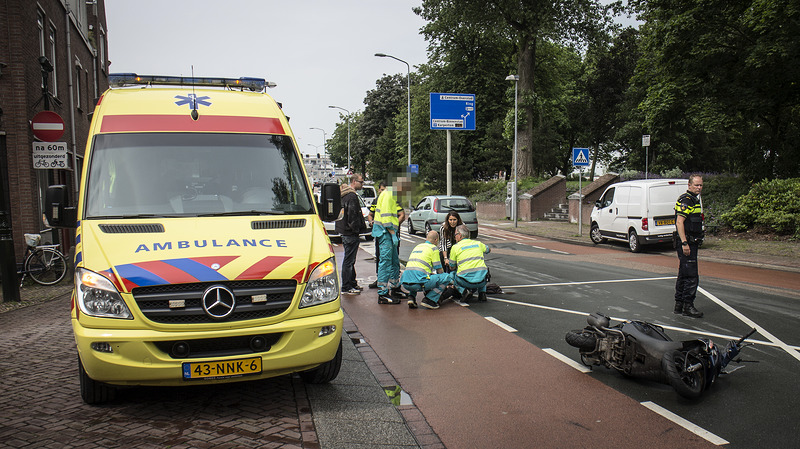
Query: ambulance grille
{"type": "Point", "coordinates": [279, 224]}
{"type": "Point", "coordinates": [187, 304]}
{"type": "Point", "coordinates": [131, 228]}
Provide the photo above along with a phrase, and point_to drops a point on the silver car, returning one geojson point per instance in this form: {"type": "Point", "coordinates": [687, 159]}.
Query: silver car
{"type": "Point", "coordinates": [430, 213]}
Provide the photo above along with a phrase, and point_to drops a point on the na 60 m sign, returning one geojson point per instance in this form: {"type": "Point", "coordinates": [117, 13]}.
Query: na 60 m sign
{"type": "Point", "coordinates": [49, 155]}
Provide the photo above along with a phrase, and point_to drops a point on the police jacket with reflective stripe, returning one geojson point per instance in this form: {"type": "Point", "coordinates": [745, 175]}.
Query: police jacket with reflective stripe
{"type": "Point", "coordinates": [689, 206]}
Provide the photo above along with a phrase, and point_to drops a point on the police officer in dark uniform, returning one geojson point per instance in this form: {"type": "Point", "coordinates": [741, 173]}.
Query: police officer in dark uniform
{"type": "Point", "coordinates": [689, 224]}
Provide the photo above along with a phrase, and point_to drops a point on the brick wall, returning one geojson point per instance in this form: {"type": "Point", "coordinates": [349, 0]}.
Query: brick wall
{"type": "Point", "coordinates": [591, 193]}
{"type": "Point", "coordinates": [21, 93]}
{"type": "Point", "coordinates": [491, 211]}
{"type": "Point", "coordinates": [543, 198]}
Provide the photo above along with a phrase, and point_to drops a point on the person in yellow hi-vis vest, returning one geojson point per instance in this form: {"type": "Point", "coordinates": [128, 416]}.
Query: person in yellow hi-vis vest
{"type": "Point", "coordinates": [469, 268]}
{"type": "Point", "coordinates": [424, 272]}
{"type": "Point", "coordinates": [385, 227]}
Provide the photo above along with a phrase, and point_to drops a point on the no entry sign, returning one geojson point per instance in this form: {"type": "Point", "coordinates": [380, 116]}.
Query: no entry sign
{"type": "Point", "coordinates": [47, 126]}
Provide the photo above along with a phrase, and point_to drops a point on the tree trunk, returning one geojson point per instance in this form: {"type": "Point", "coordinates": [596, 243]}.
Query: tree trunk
{"type": "Point", "coordinates": [595, 152]}
{"type": "Point", "coordinates": [525, 68]}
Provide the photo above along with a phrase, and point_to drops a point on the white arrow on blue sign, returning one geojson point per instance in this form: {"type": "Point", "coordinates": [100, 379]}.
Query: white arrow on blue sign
{"type": "Point", "coordinates": [580, 157]}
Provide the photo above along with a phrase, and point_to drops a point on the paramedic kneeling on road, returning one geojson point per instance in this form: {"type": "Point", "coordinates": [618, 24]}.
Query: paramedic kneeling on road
{"type": "Point", "coordinates": [424, 272]}
{"type": "Point", "coordinates": [689, 224]}
{"type": "Point", "coordinates": [466, 260]}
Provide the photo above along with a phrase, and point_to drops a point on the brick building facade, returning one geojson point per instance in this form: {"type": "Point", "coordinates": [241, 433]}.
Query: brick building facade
{"type": "Point", "coordinates": [72, 35]}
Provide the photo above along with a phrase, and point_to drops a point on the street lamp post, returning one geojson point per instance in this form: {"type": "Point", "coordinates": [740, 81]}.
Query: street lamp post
{"type": "Point", "coordinates": [383, 55]}
{"type": "Point", "coordinates": [348, 134]}
{"type": "Point", "coordinates": [324, 138]}
{"type": "Point", "coordinates": [515, 79]}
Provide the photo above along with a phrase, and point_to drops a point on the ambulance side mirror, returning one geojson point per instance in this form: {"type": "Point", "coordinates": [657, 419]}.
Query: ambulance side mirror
{"type": "Point", "coordinates": [56, 209]}
{"type": "Point", "coordinates": [330, 203]}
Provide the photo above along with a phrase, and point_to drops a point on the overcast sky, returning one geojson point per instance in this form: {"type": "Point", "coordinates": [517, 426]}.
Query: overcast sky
{"type": "Point", "coordinates": [319, 52]}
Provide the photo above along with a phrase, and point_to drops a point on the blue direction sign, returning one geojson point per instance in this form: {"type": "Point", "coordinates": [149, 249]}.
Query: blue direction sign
{"type": "Point", "coordinates": [413, 169]}
{"type": "Point", "coordinates": [580, 157]}
{"type": "Point", "coordinates": [453, 111]}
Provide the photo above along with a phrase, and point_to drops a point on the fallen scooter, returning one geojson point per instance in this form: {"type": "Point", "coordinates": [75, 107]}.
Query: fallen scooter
{"type": "Point", "coordinates": [641, 349]}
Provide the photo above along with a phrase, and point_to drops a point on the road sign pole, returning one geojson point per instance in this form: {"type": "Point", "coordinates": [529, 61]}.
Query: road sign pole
{"type": "Point", "coordinates": [580, 160]}
{"type": "Point", "coordinates": [580, 201]}
{"type": "Point", "coordinates": [449, 166]}
{"type": "Point", "coordinates": [646, 145]}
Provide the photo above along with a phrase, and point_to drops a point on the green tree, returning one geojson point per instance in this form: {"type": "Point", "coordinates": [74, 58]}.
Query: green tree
{"type": "Point", "coordinates": [376, 127]}
{"type": "Point", "coordinates": [609, 71]}
{"type": "Point", "coordinates": [721, 86]}
{"type": "Point", "coordinates": [337, 144]}
{"type": "Point", "coordinates": [463, 59]}
{"type": "Point", "coordinates": [527, 25]}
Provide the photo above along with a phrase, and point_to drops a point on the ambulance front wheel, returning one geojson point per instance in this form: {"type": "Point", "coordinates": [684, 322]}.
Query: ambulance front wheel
{"type": "Point", "coordinates": [93, 392]}
{"type": "Point", "coordinates": [325, 372]}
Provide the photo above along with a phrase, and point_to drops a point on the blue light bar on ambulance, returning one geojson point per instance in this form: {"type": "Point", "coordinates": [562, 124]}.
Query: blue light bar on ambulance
{"type": "Point", "coordinates": [132, 79]}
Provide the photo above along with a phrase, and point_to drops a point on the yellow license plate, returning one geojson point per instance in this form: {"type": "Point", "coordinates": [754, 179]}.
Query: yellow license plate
{"type": "Point", "coordinates": [221, 369]}
{"type": "Point", "coordinates": [665, 222]}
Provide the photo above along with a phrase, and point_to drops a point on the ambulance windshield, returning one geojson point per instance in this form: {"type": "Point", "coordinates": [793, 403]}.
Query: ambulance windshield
{"type": "Point", "coordinates": [181, 174]}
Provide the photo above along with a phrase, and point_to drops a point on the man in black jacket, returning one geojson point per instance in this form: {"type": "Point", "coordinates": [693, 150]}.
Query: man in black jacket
{"type": "Point", "coordinates": [349, 227]}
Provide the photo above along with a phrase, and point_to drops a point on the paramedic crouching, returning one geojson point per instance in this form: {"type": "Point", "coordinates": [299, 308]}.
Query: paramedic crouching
{"type": "Point", "coordinates": [424, 272]}
{"type": "Point", "coordinates": [469, 267]}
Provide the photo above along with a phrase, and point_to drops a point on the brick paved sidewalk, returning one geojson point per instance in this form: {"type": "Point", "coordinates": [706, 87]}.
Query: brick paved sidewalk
{"type": "Point", "coordinates": [41, 405]}
{"type": "Point", "coordinates": [32, 294]}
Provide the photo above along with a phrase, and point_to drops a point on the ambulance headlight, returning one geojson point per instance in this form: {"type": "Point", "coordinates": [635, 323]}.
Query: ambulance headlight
{"type": "Point", "coordinates": [322, 286]}
{"type": "Point", "coordinates": [98, 297]}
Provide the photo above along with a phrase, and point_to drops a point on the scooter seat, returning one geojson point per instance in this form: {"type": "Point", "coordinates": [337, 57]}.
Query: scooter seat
{"type": "Point", "coordinates": [653, 340]}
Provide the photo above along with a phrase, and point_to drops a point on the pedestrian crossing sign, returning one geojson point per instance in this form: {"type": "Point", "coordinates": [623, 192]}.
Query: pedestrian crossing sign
{"type": "Point", "coordinates": [580, 157]}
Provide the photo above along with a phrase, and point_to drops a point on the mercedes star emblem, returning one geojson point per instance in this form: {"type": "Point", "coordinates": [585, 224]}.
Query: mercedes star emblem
{"type": "Point", "coordinates": [218, 301]}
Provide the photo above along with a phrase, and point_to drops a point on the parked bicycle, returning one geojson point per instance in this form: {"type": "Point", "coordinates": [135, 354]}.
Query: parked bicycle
{"type": "Point", "coordinates": [45, 264]}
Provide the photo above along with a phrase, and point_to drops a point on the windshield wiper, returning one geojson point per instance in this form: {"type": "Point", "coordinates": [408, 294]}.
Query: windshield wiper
{"type": "Point", "coordinates": [242, 213]}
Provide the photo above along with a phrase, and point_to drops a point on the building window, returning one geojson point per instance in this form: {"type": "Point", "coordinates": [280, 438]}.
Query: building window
{"type": "Point", "coordinates": [78, 86]}
{"type": "Point", "coordinates": [102, 45]}
{"type": "Point", "coordinates": [54, 89]}
{"type": "Point", "coordinates": [40, 24]}
{"type": "Point", "coordinates": [88, 92]}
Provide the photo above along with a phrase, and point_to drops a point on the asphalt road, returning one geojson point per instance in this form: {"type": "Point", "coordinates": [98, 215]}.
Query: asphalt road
{"type": "Point", "coordinates": [549, 287]}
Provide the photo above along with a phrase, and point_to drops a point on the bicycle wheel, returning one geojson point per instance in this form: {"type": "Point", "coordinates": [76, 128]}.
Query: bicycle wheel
{"type": "Point", "coordinates": [46, 266]}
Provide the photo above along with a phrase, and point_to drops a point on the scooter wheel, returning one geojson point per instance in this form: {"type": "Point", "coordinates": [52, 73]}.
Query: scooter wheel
{"type": "Point", "coordinates": [687, 384]}
{"type": "Point", "coordinates": [582, 339]}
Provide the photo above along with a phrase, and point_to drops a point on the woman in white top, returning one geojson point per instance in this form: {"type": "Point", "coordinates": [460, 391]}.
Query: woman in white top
{"type": "Point", "coordinates": [447, 237]}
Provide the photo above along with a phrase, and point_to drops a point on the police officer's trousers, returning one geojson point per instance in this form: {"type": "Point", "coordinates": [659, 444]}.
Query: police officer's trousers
{"type": "Point", "coordinates": [688, 277]}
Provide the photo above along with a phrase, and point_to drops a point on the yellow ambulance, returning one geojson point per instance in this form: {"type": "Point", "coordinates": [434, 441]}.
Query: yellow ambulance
{"type": "Point", "coordinates": [200, 253]}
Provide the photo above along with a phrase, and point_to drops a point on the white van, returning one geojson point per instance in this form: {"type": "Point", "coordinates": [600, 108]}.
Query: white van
{"type": "Point", "coordinates": [368, 194]}
{"type": "Point", "coordinates": [640, 212]}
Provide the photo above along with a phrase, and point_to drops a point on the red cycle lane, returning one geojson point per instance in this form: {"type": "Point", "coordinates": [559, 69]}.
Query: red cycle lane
{"type": "Point", "coordinates": [480, 386]}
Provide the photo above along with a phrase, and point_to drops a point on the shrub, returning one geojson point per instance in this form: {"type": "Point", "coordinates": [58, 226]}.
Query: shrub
{"type": "Point", "coordinates": [720, 194]}
{"type": "Point", "coordinates": [773, 205]}
{"type": "Point", "coordinates": [495, 191]}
